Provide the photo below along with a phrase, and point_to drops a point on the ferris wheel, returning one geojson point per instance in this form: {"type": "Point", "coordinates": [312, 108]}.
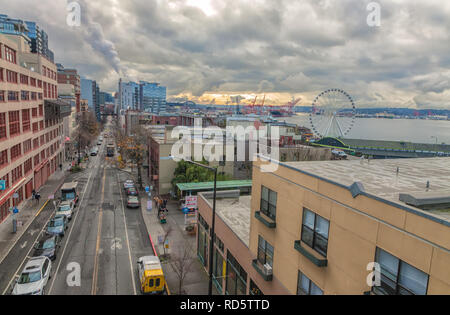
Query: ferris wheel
{"type": "Point", "coordinates": [332, 114]}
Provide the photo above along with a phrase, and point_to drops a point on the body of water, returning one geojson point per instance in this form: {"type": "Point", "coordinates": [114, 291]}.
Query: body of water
{"type": "Point", "coordinates": [412, 130]}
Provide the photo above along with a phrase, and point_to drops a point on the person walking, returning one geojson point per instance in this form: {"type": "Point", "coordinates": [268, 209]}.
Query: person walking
{"type": "Point", "coordinates": [33, 195]}
{"type": "Point", "coordinates": [38, 196]}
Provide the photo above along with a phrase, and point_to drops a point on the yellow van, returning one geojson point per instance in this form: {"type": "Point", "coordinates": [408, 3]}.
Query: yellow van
{"type": "Point", "coordinates": [151, 275]}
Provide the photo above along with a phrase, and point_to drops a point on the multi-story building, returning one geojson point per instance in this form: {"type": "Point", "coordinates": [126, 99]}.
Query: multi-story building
{"type": "Point", "coordinates": [143, 96]}
{"type": "Point", "coordinates": [30, 121]}
{"type": "Point", "coordinates": [334, 227]}
{"type": "Point", "coordinates": [67, 77]}
{"type": "Point", "coordinates": [90, 91]}
{"type": "Point", "coordinates": [152, 97]}
{"type": "Point", "coordinates": [36, 37]}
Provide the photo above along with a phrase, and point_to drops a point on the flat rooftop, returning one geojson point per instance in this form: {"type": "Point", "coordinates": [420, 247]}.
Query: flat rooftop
{"type": "Point", "coordinates": [380, 178]}
{"type": "Point", "coordinates": [235, 212]}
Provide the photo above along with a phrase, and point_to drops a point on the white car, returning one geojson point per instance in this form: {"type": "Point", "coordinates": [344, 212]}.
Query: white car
{"type": "Point", "coordinates": [34, 277]}
{"type": "Point", "coordinates": [65, 208]}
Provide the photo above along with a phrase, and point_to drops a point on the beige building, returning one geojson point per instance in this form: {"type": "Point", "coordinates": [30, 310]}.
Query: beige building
{"type": "Point", "coordinates": [321, 228]}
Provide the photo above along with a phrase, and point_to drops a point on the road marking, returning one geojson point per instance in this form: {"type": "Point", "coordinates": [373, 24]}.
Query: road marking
{"type": "Point", "coordinates": [24, 244]}
{"type": "Point", "coordinates": [27, 256]}
{"type": "Point", "coordinates": [70, 233]}
{"type": "Point", "coordinates": [42, 208]}
{"type": "Point", "coordinates": [126, 235]}
{"type": "Point", "coordinates": [99, 231]}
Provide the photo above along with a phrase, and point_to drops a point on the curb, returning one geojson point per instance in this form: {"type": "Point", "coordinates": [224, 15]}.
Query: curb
{"type": "Point", "coordinates": [28, 225]}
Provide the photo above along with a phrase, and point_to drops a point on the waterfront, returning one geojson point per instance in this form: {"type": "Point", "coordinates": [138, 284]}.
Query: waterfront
{"type": "Point", "coordinates": [412, 130]}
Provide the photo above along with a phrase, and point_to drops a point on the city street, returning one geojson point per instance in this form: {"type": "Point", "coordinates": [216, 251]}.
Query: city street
{"type": "Point", "coordinates": [104, 237]}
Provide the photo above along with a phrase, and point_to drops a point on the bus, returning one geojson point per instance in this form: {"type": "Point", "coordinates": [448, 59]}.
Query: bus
{"type": "Point", "coordinates": [110, 150]}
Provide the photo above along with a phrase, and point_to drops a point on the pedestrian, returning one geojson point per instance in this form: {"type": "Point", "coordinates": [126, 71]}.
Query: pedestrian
{"type": "Point", "coordinates": [38, 196]}
{"type": "Point", "coordinates": [60, 167]}
{"type": "Point", "coordinates": [33, 195]}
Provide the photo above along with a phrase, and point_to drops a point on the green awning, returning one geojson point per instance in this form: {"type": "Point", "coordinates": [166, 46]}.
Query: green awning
{"type": "Point", "coordinates": [229, 184]}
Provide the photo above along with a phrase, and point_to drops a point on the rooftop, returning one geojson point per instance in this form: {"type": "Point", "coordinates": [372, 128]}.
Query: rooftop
{"type": "Point", "coordinates": [234, 210]}
{"type": "Point", "coordinates": [380, 179]}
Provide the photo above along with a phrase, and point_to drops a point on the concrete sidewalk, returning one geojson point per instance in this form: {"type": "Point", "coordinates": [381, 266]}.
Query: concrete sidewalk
{"type": "Point", "coordinates": [196, 280]}
{"type": "Point", "coordinates": [27, 212]}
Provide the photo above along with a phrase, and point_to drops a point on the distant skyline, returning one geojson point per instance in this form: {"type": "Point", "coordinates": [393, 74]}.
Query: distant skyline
{"type": "Point", "coordinates": [206, 50]}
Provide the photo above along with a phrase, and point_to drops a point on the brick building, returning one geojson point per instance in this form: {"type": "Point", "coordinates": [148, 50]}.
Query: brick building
{"type": "Point", "coordinates": [30, 121]}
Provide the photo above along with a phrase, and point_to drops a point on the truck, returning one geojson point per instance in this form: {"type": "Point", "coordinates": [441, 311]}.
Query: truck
{"type": "Point", "coordinates": [110, 150]}
{"type": "Point", "coordinates": [69, 192]}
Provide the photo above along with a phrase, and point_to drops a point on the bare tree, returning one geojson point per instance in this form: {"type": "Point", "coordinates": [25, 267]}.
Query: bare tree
{"type": "Point", "coordinates": [87, 129]}
{"type": "Point", "coordinates": [182, 264]}
{"type": "Point", "coordinates": [166, 236]}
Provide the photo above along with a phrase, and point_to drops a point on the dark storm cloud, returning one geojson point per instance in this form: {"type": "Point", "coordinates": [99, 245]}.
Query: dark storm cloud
{"type": "Point", "coordinates": [258, 46]}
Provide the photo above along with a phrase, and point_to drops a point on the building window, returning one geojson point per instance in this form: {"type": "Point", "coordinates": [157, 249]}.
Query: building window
{"type": "Point", "coordinates": [3, 158]}
{"type": "Point", "coordinates": [41, 110]}
{"type": "Point", "coordinates": [35, 143]}
{"type": "Point", "coordinates": [218, 269]}
{"type": "Point", "coordinates": [16, 174]}
{"type": "Point", "coordinates": [11, 76]}
{"type": "Point", "coordinates": [27, 146]}
{"type": "Point", "coordinates": [315, 231]}
{"type": "Point", "coordinates": [399, 277]}
{"type": "Point", "coordinates": [13, 96]}
{"type": "Point", "coordinates": [26, 122]}
{"type": "Point", "coordinates": [16, 151]}
{"type": "Point", "coordinates": [218, 243]}
{"type": "Point", "coordinates": [1, 74]}
{"type": "Point", "coordinates": [265, 252]}
{"type": "Point", "coordinates": [23, 79]}
{"type": "Point", "coordinates": [28, 166]}
{"type": "Point", "coordinates": [32, 81]}
{"type": "Point", "coordinates": [254, 290]}
{"type": "Point", "coordinates": [2, 125]}
{"type": "Point", "coordinates": [306, 287]}
{"type": "Point", "coordinates": [202, 242]}
{"type": "Point", "coordinates": [2, 96]}
{"type": "Point", "coordinates": [10, 54]}
{"type": "Point", "coordinates": [36, 160]}
{"type": "Point", "coordinates": [268, 202]}
{"type": "Point", "coordinates": [236, 283]}
{"type": "Point", "coordinates": [14, 123]}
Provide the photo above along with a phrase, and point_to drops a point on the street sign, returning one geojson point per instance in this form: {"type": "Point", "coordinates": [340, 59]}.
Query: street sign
{"type": "Point", "coordinates": [15, 195]}
{"type": "Point", "coordinates": [15, 210]}
{"type": "Point", "coordinates": [149, 205]}
{"type": "Point", "coordinates": [160, 239]}
{"type": "Point", "coordinates": [147, 189]}
{"type": "Point", "coordinates": [2, 184]}
{"type": "Point", "coordinates": [185, 210]}
{"type": "Point", "coordinates": [191, 202]}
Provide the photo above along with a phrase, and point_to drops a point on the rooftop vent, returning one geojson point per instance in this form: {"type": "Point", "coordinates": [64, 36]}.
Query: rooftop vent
{"type": "Point", "coordinates": [427, 200]}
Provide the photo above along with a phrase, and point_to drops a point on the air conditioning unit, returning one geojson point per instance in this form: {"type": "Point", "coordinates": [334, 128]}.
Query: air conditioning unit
{"type": "Point", "coordinates": [268, 269]}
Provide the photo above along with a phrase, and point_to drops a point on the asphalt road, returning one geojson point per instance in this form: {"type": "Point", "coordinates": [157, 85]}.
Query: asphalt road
{"type": "Point", "coordinates": [104, 238]}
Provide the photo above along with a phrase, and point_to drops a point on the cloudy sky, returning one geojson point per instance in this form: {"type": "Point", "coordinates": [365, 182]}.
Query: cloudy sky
{"type": "Point", "coordinates": [207, 50]}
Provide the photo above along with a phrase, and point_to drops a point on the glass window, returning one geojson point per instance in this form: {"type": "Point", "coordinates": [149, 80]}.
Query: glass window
{"type": "Point", "coordinates": [315, 231]}
{"type": "Point", "coordinates": [306, 287]}
{"type": "Point", "coordinates": [399, 277]}
{"type": "Point", "coordinates": [265, 252]}
{"type": "Point", "coordinates": [268, 202]}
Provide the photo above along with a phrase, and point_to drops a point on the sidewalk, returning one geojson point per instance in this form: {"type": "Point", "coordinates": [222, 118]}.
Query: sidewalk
{"type": "Point", "coordinates": [196, 281]}
{"type": "Point", "coordinates": [27, 212]}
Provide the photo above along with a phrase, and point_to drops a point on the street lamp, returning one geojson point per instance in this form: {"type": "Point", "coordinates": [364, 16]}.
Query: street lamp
{"type": "Point", "coordinates": [436, 143]}
{"type": "Point", "coordinates": [211, 245]}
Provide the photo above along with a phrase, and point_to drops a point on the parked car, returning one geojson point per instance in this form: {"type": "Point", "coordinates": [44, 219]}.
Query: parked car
{"type": "Point", "coordinates": [94, 152]}
{"type": "Point", "coordinates": [65, 208]}
{"type": "Point", "coordinates": [34, 277]}
{"type": "Point", "coordinates": [47, 247]}
{"type": "Point", "coordinates": [57, 225]}
{"type": "Point", "coordinates": [133, 202]}
{"type": "Point", "coordinates": [131, 191]}
{"type": "Point", "coordinates": [128, 183]}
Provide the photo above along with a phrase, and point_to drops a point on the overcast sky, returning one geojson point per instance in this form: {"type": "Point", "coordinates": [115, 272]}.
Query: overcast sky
{"type": "Point", "coordinates": [205, 49]}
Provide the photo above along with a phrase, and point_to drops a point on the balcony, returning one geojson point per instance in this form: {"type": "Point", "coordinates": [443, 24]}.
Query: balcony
{"type": "Point", "coordinates": [319, 262]}
{"type": "Point", "coordinates": [260, 269]}
{"type": "Point", "coordinates": [270, 223]}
